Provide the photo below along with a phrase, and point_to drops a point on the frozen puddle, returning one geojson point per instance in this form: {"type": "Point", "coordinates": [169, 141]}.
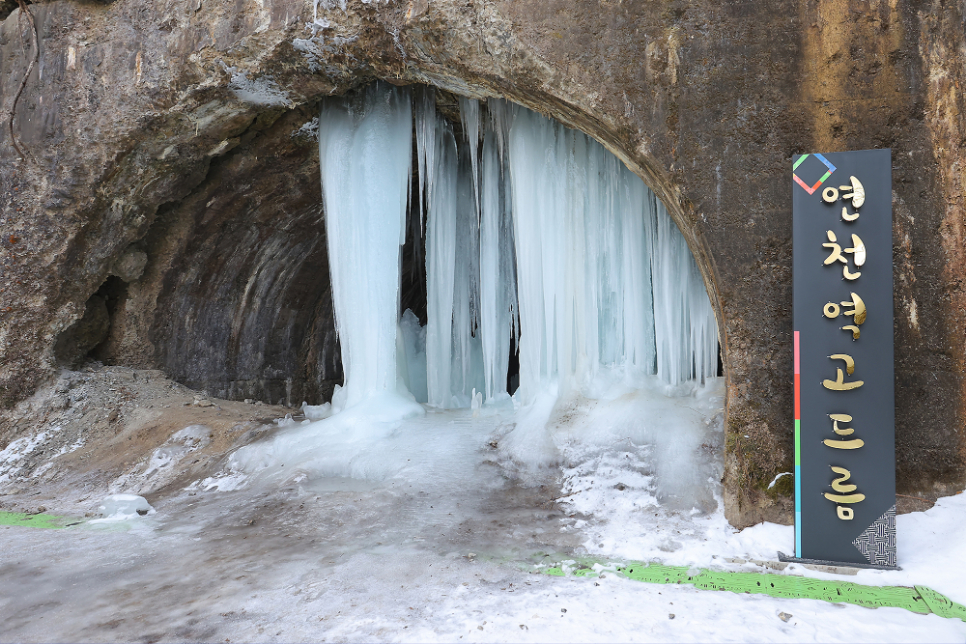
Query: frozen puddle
{"type": "Point", "coordinates": [637, 464]}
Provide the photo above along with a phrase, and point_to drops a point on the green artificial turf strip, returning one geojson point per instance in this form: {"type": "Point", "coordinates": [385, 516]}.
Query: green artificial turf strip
{"type": "Point", "coordinates": [920, 599]}
{"type": "Point", "coordinates": [48, 521]}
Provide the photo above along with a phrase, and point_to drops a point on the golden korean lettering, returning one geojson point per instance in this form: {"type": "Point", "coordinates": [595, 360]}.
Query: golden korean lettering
{"type": "Point", "coordinates": [845, 493]}
{"type": "Point", "coordinates": [858, 313]}
{"type": "Point", "coordinates": [839, 383]}
{"type": "Point", "coordinates": [852, 443]}
{"type": "Point", "coordinates": [854, 192]}
{"type": "Point", "coordinates": [836, 251]}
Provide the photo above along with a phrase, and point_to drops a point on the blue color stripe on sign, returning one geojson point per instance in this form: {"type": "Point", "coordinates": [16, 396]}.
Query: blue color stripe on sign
{"type": "Point", "coordinates": [798, 512]}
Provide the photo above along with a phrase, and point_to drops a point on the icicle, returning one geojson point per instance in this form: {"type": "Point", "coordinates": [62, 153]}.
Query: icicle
{"type": "Point", "coordinates": [685, 328]}
{"type": "Point", "coordinates": [426, 127]}
{"type": "Point", "coordinates": [453, 343]}
{"type": "Point", "coordinates": [501, 115]}
{"type": "Point", "coordinates": [470, 118]}
{"type": "Point", "coordinates": [441, 265]}
{"type": "Point", "coordinates": [466, 368]}
{"type": "Point", "coordinates": [532, 150]}
{"type": "Point", "coordinates": [497, 283]}
{"type": "Point", "coordinates": [605, 279]}
{"type": "Point", "coordinates": [414, 346]}
{"type": "Point", "coordinates": [364, 154]}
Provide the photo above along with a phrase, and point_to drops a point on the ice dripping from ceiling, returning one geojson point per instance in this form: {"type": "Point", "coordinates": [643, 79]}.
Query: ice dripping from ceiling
{"type": "Point", "coordinates": [364, 156]}
{"type": "Point", "coordinates": [567, 248]}
{"type": "Point", "coordinates": [536, 238]}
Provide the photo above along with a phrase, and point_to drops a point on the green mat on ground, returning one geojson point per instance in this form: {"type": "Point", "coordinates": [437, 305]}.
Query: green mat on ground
{"type": "Point", "coordinates": [49, 521]}
{"type": "Point", "coordinates": [919, 599]}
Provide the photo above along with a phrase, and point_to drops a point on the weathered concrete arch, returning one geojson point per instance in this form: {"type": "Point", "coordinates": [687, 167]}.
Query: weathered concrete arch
{"type": "Point", "coordinates": [172, 129]}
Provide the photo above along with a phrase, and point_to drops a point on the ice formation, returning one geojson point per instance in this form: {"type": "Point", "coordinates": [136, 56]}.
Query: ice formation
{"type": "Point", "coordinates": [568, 249]}
{"type": "Point", "coordinates": [537, 240]}
{"type": "Point", "coordinates": [364, 155]}
{"type": "Point", "coordinates": [498, 292]}
{"type": "Point", "coordinates": [533, 232]}
{"type": "Point", "coordinates": [120, 507]}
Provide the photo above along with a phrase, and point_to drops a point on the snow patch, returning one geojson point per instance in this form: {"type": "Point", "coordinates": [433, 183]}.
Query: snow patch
{"type": "Point", "coordinates": [309, 130]}
{"type": "Point", "coordinates": [13, 458]}
{"type": "Point", "coordinates": [162, 466]}
{"type": "Point", "coordinates": [123, 507]}
{"type": "Point", "coordinates": [226, 481]}
{"type": "Point", "coordinates": [778, 476]}
{"type": "Point", "coordinates": [260, 91]}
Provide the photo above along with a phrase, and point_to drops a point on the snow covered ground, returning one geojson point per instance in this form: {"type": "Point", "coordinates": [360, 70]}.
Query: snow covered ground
{"type": "Point", "coordinates": [434, 529]}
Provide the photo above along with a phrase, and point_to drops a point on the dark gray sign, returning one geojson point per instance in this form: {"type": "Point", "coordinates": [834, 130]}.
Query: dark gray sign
{"type": "Point", "coordinates": [844, 398]}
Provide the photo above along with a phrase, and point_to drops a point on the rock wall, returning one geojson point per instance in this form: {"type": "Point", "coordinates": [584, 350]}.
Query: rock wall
{"type": "Point", "coordinates": [177, 130]}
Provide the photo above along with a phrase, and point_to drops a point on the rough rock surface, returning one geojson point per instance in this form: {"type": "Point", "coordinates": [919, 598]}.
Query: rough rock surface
{"type": "Point", "coordinates": [108, 430]}
{"type": "Point", "coordinates": [177, 129]}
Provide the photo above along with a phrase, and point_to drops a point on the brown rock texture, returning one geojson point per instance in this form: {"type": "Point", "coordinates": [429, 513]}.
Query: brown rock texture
{"type": "Point", "coordinates": [178, 130]}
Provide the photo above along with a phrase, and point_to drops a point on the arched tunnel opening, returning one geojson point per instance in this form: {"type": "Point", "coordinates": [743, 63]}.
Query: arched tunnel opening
{"type": "Point", "coordinates": [229, 291]}
{"type": "Point", "coordinates": [242, 305]}
{"type": "Point", "coordinates": [232, 289]}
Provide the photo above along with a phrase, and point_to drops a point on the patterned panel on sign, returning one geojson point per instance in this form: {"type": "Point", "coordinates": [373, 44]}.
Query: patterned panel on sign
{"type": "Point", "coordinates": [878, 542]}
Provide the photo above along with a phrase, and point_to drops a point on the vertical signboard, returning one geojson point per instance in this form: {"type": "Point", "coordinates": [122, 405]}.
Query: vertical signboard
{"type": "Point", "coordinates": [844, 398]}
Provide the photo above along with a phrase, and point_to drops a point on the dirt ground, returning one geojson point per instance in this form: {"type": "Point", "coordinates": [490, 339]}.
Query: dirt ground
{"type": "Point", "coordinates": [98, 429]}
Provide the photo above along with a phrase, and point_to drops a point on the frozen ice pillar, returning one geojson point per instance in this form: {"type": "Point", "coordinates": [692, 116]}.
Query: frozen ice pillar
{"type": "Point", "coordinates": [365, 149]}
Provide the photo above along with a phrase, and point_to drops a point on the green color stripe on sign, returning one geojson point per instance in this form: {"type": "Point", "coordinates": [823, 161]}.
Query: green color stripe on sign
{"type": "Point", "coordinates": [799, 162]}
{"type": "Point", "coordinates": [798, 442]}
{"type": "Point", "coordinates": [920, 599]}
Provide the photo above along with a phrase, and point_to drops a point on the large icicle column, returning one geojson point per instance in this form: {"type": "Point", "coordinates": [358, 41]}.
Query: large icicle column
{"type": "Point", "coordinates": [438, 162]}
{"type": "Point", "coordinates": [454, 351]}
{"type": "Point", "coordinates": [364, 153]}
{"type": "Point", "coordinates": [498, 289]}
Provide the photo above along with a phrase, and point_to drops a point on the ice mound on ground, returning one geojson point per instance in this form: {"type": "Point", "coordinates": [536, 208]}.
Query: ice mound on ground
{"type": "Point", "coordinates": [317, 412]}
{"type": "Point", "coordinates": [340, 445]}
{"type": "Point", "coordinates": [681, 435]}
{"type": "Point", "coordinates": [528, 447]}
{"type": "Point", "coordinates": [121, 507]}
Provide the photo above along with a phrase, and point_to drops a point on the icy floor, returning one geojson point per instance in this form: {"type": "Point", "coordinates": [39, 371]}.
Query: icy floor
{"type": "Point", "coordinates": [378, 564]}
{"type": "Point", "coordinates": [438, 537]}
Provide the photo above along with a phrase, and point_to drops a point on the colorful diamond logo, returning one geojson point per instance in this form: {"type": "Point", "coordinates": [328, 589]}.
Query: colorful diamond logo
{"type": "Point", "coordinates": [799, 181]}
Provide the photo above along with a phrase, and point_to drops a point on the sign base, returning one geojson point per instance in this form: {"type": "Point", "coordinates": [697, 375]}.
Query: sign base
{"type": "Point", "coordinates": [821, 562]}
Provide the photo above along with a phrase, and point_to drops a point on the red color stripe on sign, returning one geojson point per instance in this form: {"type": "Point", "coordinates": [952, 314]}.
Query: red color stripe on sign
{"type": "Point", "coordinates": [808, 189]}
{"type": "Point", "coordinates": [798, 383]}
{"type": "Point", "coordinates": [798, 397]}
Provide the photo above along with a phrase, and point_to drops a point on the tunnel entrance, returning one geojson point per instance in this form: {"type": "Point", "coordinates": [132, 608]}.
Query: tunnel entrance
{"type": "Point", "coordinates": [501, 236]}
{"type": "Point", "coordinates": [235, 295]}
{"type": "Point", "coordinates": [519, 258]}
